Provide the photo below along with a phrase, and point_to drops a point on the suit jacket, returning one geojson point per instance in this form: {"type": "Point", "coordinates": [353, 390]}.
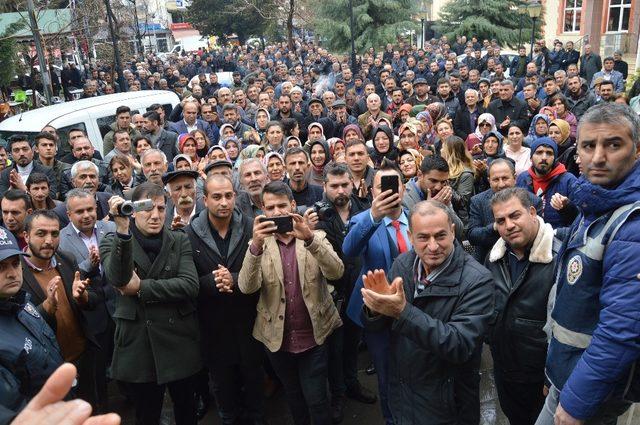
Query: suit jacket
{"type": "Point", "coordinates": [157, 337]}
{"type": "Point", "coordinates": [316, 263]}
{"type": "Point", "coordinates": [212, 130]}
{"type": "Point", "coordinates": [375, 247]}
{"type": "Point", "coordinates": [166, 142]}
{"type": "Point", "coordinates": [102, 203]}
{"type": "Point", "coordinates": [37, 168]}
{"type": "Point", "coordinates": [462, 123]}
{"type": "Point", "coordinates": [70, 242]}
{"type": "Point", "coordinates": [66, 267]}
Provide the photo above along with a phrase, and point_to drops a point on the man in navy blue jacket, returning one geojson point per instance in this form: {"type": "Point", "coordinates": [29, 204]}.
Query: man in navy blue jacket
{"type": "Point", "coordinates": [591, 362]}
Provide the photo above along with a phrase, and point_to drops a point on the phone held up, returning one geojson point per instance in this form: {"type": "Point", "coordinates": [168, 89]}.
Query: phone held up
{"type": "Point", "coordinates": [284, 223]}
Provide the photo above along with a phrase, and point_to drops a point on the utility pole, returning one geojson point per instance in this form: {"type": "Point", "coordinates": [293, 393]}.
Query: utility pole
{"type": "Point", "coordinates": [114, 39]}
{"type": "Point", "coordinates": [42, 60]}
{"type": "Point", "coordinates": [353, 41]}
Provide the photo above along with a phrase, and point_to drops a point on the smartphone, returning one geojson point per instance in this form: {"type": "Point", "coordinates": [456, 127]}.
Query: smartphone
{"type": "Point", "coordinates": [284, 223]}
{"type": "Point", "coordinates": [390, 183]}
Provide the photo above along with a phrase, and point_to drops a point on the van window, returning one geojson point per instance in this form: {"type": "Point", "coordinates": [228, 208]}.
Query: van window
{"type": "Point", "coordinates": [63, 132]}
{"type": "Point", "coordinates": [104, 124]}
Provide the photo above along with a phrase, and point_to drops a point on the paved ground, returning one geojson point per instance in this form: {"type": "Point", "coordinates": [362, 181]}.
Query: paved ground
{"type": "Point", "coordinates": [355, 413]}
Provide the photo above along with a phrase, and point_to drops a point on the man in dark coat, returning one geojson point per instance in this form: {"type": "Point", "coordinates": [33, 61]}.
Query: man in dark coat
{"type": "Point", "coordinates": [522, 263]}
{"type": "Point", "coordinates": [157, 342]}
{"type": "Point", "coordinates": [437, 309]}
{"type": "Point", "coordinates": [219, 236]}
{"type": "Point", "coordinates": [508, 109]}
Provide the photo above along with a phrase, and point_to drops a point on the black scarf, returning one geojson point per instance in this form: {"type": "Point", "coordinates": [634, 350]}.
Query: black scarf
{"type": "Point", "coordinates": [151, 245]}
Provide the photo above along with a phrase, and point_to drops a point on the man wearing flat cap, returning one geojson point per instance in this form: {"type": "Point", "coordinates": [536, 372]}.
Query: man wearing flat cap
{"type": "Point", "coordinates": [183, 203]}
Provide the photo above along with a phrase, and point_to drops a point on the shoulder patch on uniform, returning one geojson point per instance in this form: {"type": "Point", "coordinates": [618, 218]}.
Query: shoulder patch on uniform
{"type": "Point", "coordinates": [574, 269]}
{"type": "Point", "coordinates": [29, 308]}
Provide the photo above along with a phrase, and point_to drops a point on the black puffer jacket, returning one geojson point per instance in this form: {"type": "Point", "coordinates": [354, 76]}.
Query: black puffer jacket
{"type": "Point", "coordinates": [436, 343]}
{"type": "Point", "coordinates": [518, 342]}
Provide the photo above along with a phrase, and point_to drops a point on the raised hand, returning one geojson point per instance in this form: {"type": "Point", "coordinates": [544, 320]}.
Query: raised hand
{"type": "Point", "coordinates": [51, 303]}
{"type": "Point", "coordinates": [377, 282]}
{"type": "Point", "coordinates": [79, 289]}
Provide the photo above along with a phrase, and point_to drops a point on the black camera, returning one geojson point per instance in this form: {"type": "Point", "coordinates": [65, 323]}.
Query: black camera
{"type": "Point", "coordinates": [324, 210]}
{"type": "Point", "coordinates": [127, 208]}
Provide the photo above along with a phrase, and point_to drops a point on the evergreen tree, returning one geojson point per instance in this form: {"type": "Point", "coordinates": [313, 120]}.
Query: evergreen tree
{"type": "Point", "coordinates": [225, 17]}
{"type": "Point", "coordinates": [377, 22]}
{"type": "Point", "coordinates": [486, 19]}
{"type": "Point", "coordinates": [8, 53]}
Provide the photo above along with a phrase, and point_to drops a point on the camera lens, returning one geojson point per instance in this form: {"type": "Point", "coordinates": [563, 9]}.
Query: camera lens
{"type": "Point", "coordinates": [126, 208]}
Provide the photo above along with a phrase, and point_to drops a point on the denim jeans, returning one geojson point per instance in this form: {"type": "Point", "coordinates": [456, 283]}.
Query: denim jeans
{"type": "Point", "coordinates": [607, 414]}
{"type": "Point", "coordinates": [304, 377]}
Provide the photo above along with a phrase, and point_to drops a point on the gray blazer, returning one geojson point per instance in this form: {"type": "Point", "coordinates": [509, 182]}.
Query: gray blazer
{"type": "Point", "coordinates": [71, 243]}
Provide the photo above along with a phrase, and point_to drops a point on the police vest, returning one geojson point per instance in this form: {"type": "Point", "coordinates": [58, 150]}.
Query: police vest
{"type": "Point", "coordinates": [579, 280]}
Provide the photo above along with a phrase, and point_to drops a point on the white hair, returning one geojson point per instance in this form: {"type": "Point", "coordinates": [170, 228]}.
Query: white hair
{"type": "Point", "coordinates": [82, 165]}
{"type": "Point", "coordinates": [152, 151]}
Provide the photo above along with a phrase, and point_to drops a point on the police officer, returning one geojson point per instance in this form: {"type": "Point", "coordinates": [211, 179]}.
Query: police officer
{"type": "Point", "coordinates": [29, 352]}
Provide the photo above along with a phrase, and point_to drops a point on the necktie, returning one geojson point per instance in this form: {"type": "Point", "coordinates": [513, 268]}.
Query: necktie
{"type": "Point", "coordinates": [402, 244]}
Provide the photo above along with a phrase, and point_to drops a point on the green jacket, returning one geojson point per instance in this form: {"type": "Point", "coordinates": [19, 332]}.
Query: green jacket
{"type": "Point", "coordinates": [157, 337]}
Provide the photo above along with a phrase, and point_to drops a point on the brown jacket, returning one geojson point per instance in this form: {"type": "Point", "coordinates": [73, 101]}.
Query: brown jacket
{"type": "Point", "coordinates": [263, 273]}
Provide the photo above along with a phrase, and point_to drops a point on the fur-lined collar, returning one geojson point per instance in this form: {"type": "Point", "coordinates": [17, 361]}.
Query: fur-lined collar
{"type": "Point", "coordinates": [541, 251]}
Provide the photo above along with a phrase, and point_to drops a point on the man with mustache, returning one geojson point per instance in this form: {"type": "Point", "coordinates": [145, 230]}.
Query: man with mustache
{"type": "Point", "coordinates": [52, 279]}
{"type": "Point", "coordinates": [182, 205]}
{"type": "Point", "coordinates": [296, 160]}
{"type": "Point", "coordinates": [545, 178]}
{"type": "Point", "coordinates": [15, 176]}
{"type": "Point", "coordinates": [83, 150]}
{"type": "Point", "coordinates": [253, 178]}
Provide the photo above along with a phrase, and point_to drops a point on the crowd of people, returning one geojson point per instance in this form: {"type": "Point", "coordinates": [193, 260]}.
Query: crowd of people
{"type": "Point", "coordinates": [262, 234]}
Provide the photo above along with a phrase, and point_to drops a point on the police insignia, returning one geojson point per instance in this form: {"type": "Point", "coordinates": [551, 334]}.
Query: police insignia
{"type": "Point", "coordinates": [574, 269]}
{"type": "Point", "coordinates": [29, 308]}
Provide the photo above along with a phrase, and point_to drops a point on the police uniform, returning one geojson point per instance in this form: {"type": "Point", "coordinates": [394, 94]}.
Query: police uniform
{"type": "Point", "coordinates": [29, 352]}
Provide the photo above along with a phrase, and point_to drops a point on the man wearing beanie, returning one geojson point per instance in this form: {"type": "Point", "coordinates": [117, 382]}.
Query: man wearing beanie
{"type": "Point", "coordinates": [545, 178]}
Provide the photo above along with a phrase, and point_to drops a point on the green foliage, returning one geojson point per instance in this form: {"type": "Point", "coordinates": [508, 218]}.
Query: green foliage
{"type": "Point", "coordinates": [245, 18]}
{"type": "Point", "coordinates": [8, 50]}
{"type": "Point", "coordinates": [377, 22]}
{"type": "Point", "coordinates": [487, 19]}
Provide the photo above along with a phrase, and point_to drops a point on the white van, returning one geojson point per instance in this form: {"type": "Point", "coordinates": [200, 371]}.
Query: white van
{"type": "Point", "coordinates": [94, 115]}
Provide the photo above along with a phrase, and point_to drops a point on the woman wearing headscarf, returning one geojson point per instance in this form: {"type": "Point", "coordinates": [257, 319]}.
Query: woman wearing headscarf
{"type": "Point", "coordinates": [429, 136]}
{"type": "Point", "coordinates": [401, 116]}
{"type": "Point", "coordinates": [336, 149]}
{"type": "Point", "coordinates": [262, 119]}
{"type": "Point", "coordinates": [320, 157]}
{"type": "Point", "coordinates": [274, 163]}
{"type": "Point", "coordinates": [352, 132]}
{"type": "Point", "coordinates": [539, 128]}
{"type": "Point", "coordinates": [188, 145]}
{"type": "Point", "coordinates": [383, 146]}
{"type": "Point", "coordinates": [251, 151]}
{"type": "Point", "coordinates": [226, 131]}
{"type": "Point", "coordinates": [409, 161]}
{"type": "Point", "coordinates": [408, 136]}
{"type": "Point", "coordinates": [486, 123]}
{"type": "Point", "coordinates": [491, 150]}
{"type": "Point", "coordinates": [559, 132]}
{"type": "Point", "coordinates": [233, 147]}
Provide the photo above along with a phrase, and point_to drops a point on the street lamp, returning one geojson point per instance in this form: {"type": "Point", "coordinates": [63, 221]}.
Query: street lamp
{"type": "Point", "coordinates": [534, 9]}
{"type": "Point", "coordinates": [423, 12]}
{"type": "Point", "coordinates": [522, 10]}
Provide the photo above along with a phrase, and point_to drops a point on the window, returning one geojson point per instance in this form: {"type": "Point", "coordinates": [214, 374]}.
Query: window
{"type": "Point", "coordinates": [619, 13]}
{"type": "Point", "coordinates": [572, 13]}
